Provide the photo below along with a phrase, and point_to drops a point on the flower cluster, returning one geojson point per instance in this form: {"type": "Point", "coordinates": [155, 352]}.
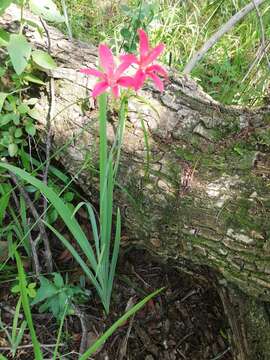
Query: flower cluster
{"type": "Point", "coordinates": [112, 76]}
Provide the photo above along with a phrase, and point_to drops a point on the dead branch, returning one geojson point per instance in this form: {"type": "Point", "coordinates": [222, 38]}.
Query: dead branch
{"type": "Point", "coordinates": [222, 30]}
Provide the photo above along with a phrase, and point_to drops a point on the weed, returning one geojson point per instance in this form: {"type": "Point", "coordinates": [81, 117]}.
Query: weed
{"type": "Point", "coordinates": [234, 71]}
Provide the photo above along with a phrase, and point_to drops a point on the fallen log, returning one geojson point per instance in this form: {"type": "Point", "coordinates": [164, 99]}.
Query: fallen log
{"type": "Point", "coordinates": [193, 180]}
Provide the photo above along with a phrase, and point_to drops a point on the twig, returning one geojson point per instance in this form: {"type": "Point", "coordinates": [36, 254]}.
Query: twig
{"type": "Point", "coordinates": [6, 348]}
{"type": "Point", "coordinates": [140, 278]}
{"type": "Point", "coordinates": [50, 115]}
{"type": "Point", "coordinates": [262, 33]}
{"type": "Point", "coordinates": [219, 356]}
{"type": "Point", "coordinates": [39, 223]}
{"type": "Point", "coordinates": [9, 309]}
{"type": "Point", "coordinates": [222, 30]}
{"type": "Point", "coordinates": [49, 47]}
{"type": "Point", "coordinates": [33, 244]}
{"type": "Point", "coordinates": [260, 53]}
{"type": "Point", "coordinates": [124, 343]}
{"type": "Point", "coordinates": [15, 199]}
{"type": "Point", "coordinates": [81, 316]}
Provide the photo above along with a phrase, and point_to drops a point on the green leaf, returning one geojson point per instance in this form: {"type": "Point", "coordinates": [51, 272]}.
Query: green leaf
{"type": "Point", "coordinates": [15, 118]}
{"type": "Point", "coordinates": [52, 216]}
{"type": "Point", "coordinates": [18, 133]}
{"type": "Point", "coordinates": [47, 10]}
{"type": "Point", "coordinates": [125, 33]}
{"type": "Point", "coordinates": [238, 150]}
{"type": "Point", "coordinates": [43, 60]}
{"type": "Point", "coordinates": [4, 5]}
{"type": "Point", "coordinates": [4, 37]}
{"type": "Point", "coordinates": [62, 300]}
{"type": "Point", "coordinates": [25, 160]}
{"type": "Point", "coordinates": [33, 79]}
{"type": "Point", "coordinates": [54, 306]}
{"type": "Point", "coordinates": [215, 79]}
{"type": "Point", "coordinates": [30, 129]}
{"type": "Point", "coordinates": [32, 293]}
{"type": "Point", "coordinates": [19, 51]}
{"type": "Point", "coordinates": [12, 149]}
{"type": "Point", "coordinates": [32, 286]}
{"type": "Point", "coordinates": [15, 289]}
{"type": "Point", "coordinates": [55, 295]}
{"type": "Point", "coordinates": [2, 99]}
{"type": "Point", "coordinates": [69, 196]}
{"type": "Point", "coordinates": [47, 289]}
{"type": "Point", "coordinates": [2, 357]}
{"type": "Point", "coordinates": [58, 281]}
{"type": "Point", "coordinates": [23, 109]}
{"type": "Point", "coordinates": [7, 118]}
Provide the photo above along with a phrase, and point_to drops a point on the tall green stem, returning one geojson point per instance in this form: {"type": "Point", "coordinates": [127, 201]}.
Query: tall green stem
{"type": "Point", "coordinates": [102, 156]}
{"type": "Point", "coordinates": [120, 131]}
{"type": "Point", "coordinates": [108, 166]}
{"type": "Point", "coordinates": [103, 198]}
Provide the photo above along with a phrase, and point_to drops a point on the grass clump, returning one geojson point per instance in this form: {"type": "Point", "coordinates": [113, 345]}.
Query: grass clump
{"type": "Point", "coordinates": [234, 71]}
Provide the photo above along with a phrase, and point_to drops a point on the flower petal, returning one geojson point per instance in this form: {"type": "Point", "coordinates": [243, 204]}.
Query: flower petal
{"type": "Point", "coordinates": [100, 88]}
{"type": "Point", "coordinates": [144, 43]}
{"type": "Point", "coordinates": [154, 53]}
{"type": "Point", "coordinates": [115, 91]}
{"type": "Point", "coordinates": [139, 79]}
{"type": "Point", "coordinates": [121, 68]}
{"type": "Point", "coordinates": [106, 59]}
{"type": "Point", "coordinates": [158, 83]}
{"type": "Point", "coordinates": [158, 69]}
{"type": "Point", "coordinates": [129, 58]}
{"type": "Point", "coordinates": [93, 72]}
{"type": "Point", "coordinates": [126, 81]}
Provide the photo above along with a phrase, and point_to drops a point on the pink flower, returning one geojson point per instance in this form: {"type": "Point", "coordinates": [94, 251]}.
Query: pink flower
{"type": "Point", "coordinates": [145, 62]}
{"type": "Point", "coordinates": [111, 77]}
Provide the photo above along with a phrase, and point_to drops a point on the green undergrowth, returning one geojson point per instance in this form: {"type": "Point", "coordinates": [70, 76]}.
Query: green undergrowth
{"type": "Point", "coordinates": [226, 72]}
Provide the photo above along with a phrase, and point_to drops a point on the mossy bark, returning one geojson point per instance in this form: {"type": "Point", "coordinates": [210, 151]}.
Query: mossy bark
{"type": "Point", "coordinates": [193, 181]}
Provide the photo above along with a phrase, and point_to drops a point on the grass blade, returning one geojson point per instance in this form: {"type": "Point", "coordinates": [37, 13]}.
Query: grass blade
{"type": "Point", "coordinates": [55, 353]}
{"type": "Point", "coordinates": [61, 208]}
{"type": "Point", "coordinates": [26, 307]}
{"type": "Point", "coordinates": [15, 320]}
{"type": "Point", "coordinates": [19, 337]}
{"type": "Point", "coordinates": [93, 224]}
{"type": "Point", "coordinates": [118, 323]}
{"type": "Point", "coordinates": [4, 200]}
{"type": "Point", "coordinates": [115, 251]}
{"type": "Point", "coordinates": [120, 132]}
{"type": "Point", "coordinates": [76, 256]}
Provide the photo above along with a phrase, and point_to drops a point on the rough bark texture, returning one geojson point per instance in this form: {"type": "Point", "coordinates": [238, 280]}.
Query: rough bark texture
{"type": "Point", "coordinates": [194, 178]}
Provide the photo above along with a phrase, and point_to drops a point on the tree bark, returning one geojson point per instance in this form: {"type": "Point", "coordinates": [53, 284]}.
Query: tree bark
{"type": "Point", "coordinates": [193, 181]}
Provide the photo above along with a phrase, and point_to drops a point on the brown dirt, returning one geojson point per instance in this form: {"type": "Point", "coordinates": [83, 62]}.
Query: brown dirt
{"type": "Point", "coordinates": [186, 321]}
